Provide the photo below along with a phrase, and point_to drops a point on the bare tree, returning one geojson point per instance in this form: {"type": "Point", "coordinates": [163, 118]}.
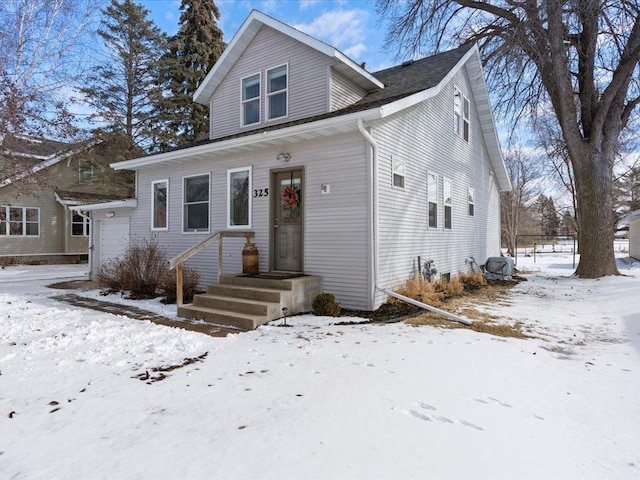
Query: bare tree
{"type": "Point", "coordinates": [41, 54]}
{"type": "Point", "coordinates": [522, 172]}
{"type": "Point", "coordinates": [580, 56]}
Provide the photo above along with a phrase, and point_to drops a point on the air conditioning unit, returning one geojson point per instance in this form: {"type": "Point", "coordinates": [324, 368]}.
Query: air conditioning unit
{"type": "Point", "coordinates": [499, 268]}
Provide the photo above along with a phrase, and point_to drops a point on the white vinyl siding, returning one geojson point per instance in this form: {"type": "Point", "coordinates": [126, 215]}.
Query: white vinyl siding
{"type": "Point", "coordinates": [160, 205]}
{"type": "Point", "coordinates": [344, 92]}
{"type": "Point", "coordinates": [634, 239]}
{"type": "Point", "coordinates": [239, 197]}
{"type": "Point", "coordinates": [307, 82]}
{"type": "Point", "coordinates": [422, 134]}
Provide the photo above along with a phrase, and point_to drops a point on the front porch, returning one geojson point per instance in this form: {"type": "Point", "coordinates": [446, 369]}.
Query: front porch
{"type": "Point", "coordinates": [247, 301]}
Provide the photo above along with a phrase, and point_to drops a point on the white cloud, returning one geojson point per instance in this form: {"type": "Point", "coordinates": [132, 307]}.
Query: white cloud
{"type": "Point", "coordinates": [343, 29]}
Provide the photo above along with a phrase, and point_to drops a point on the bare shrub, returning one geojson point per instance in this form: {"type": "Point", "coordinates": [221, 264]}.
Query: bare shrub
{"type": "Point", "coordinates": [190, 281]}
{"type": "Point", "coordinates": [420, 289]}
{"type": "Point", "coordinates": [139, 271]}
{"type": "Point", "coordinates": [472, 281]}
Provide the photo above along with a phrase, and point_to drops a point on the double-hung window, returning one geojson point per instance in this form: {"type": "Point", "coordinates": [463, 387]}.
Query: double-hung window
{"type": "Point", "coordinates": [447, 194]}
{"type": "Point", "coordinates": [432, 195]}
{"type": "Point", "coordinates": [471, 196]}
{"type": "Point", "coordinates": [277, 92]}
{"type": "Point", "coordinates": [251, 100]}
{"type": "Point", "coordinates": [461, 113]}
{"type": "Point", "coordinates": [196, 204]}
{"type": "Point", "coordinates": [399, 170]}
{"type": "Point", "coordinates": [238, 191]}
{"type": "Point", "coordinates": [19, 221]}
{"type": "Point", "coordinates": [79, 226]}
{"type": "Point", "coordinates": [159, 205]}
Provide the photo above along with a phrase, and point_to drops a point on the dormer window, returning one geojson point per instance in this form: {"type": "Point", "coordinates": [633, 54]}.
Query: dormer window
{"type": "Point", "coordinates": [85, 172]}
{"type": "Point", "coordinates": [277, 92]}
{"type": "Point", "coordinates": [251, 100]}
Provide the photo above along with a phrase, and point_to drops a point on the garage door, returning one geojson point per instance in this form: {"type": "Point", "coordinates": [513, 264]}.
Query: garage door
{"type": "Point", "coordinates": [114, 237]}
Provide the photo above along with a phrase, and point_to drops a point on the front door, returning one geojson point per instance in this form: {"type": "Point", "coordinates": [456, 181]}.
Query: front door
{"type": "Point", "coordinates": [287, 221]}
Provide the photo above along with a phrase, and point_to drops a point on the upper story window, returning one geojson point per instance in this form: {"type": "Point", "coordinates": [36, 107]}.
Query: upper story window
{"type": "Point", "coordinates": [277, 92]}
{"type": "Point", "coordinates": [447, 194]}
{"type": "Point", "coordinates": [19, 221]}
{"type": "Point", "coordinates": [399, 168]}
{"type": "Point", "coordinates": [251, 100]}
{"type": "Point", "coordinates": [79, 226]}
{"type": "Point", "coordinates": [471, 195]}
{"type": "Point", "coordinates": [85, 172]}
{"type": "Point", "coordinates": [432, 195]}
{"type": "Point", "coordinates": [239, 187]}
{"type": "Point", "coordinates": [196, 204]}
{"type": "Point", "coordinates": [461, 109]}
{"type": "Point", "coordinates": [159, 205]}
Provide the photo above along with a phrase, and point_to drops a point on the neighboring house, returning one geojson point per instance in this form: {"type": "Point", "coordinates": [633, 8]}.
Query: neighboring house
{"type": "Point", "coordinates": [341, 173]}
{"type": "Point", "coordinates": [39, 180]}
{"type": "Point", "coordinates": [632, 219]}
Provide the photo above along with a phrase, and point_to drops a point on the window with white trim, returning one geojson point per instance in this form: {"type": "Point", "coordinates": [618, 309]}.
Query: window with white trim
{"type": "Point", "coordinates": [277, 88]}
{"type": "Point", "coordinates": [471, 196]}
{"type": "Point", "coordinates": [461, 113]}
{"type": "Point", "coordinates": [238, 194]}
{"type": "Point", "coordinates": [195, 195]}
{"type": "Point", "coordinates": [79, 225]}
{"type": "Point", "coordinates": [447, 200]}
{"type": "Point", "coordinates": [251, 100]}
{"type": "Point", "coordinates": [399, 171]}
{"type": "Point", "coordinates": [19, 221]}
{"type": "Point", "coordinates": [432, 195]}
{"type": "Point", "coordinates": [85, 172]}
{"type": "Point", "coordinates": [160, 205]}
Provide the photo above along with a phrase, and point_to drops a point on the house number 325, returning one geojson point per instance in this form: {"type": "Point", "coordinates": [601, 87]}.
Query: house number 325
{"type": "Point", "coordinates": [262, 192]}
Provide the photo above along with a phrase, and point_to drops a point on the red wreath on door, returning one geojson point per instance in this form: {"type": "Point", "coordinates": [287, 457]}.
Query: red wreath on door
{"type": "Point", "coordinates": [290, 196]}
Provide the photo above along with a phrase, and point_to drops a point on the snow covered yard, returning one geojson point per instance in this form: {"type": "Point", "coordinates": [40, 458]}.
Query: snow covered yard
{"type": "Point", "coordinates": [318, 400]}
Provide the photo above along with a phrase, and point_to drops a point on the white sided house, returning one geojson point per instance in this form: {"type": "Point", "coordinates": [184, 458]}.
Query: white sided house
{"type": "Point", "coordinates": [335, 172]}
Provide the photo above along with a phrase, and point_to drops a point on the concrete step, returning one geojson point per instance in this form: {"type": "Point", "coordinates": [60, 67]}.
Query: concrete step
{"type": "Point", "coordinates": [243, 321]}
{"type": "Point", "coordinates": [248, 292]}
{"type": "Point", "coordinates": [270, 283]}
{"type": "Point", "coordinates": [240, 305]}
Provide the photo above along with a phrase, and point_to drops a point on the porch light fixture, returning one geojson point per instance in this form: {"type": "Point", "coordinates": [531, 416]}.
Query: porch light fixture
{"type": "Point", "coordinates": [283, 156]}
{"type": "Point", "coordinates": [109, 214]}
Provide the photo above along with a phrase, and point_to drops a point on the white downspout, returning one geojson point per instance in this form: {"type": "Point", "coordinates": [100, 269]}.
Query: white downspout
{"type": "Point", "coordinates": [373, 208]}
{"type": "Point", "coordinates": [84, 215]}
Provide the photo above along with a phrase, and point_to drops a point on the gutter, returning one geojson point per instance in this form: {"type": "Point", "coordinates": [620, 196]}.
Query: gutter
{"type": "Point", "coordinates": [373, 214]}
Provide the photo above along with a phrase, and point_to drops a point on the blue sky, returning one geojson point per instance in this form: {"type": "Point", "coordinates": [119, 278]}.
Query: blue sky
{"type": "Point", "coordinates": [352, 27]}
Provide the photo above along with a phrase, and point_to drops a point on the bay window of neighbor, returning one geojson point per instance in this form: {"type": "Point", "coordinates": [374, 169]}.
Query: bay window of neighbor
{"type": "Point", "coordinates": [447, 190]}
{"type": "Point", "coordinates": [432, 194]}
{"type": "Point", "coordinates": [238, 190]}
{"type": "Point", "coordinates": [79, 226]}
{"type": "Point", "coordinates": [277, 92]}
{"type": "Point", "coordinates": [19, 221]}
{"type": "Point", "coordinates": [196, 204]}
{"type": "Point", "coordinates": [251, 100]}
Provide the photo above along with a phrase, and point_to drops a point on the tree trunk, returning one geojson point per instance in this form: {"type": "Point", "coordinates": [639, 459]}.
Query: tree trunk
{"type": "Point", "coordinates": [594, 188]}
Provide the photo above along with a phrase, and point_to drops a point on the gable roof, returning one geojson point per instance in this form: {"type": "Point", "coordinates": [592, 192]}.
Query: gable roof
{"type": "Point", "coordinates": [29, 147]}
{"type": "Point", "coordinates": [64, 151]}
{"type": "Point", "coordinates": [250, 28]}
{"type": "Point", "coordinates": [405, 86]}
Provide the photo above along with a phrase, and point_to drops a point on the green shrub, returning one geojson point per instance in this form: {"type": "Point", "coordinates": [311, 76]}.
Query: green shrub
{"type": "Point", "coordinates": [324, 304]}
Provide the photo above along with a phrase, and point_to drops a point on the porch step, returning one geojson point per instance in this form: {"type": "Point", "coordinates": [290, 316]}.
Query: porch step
{"type": "Point", "coordinates": [248, 302]}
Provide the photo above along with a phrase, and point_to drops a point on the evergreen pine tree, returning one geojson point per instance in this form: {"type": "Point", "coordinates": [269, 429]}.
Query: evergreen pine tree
{"type": "Point", "coordinates": [191, 53]}
{"type": "Point", "coordinates": [123, 89]}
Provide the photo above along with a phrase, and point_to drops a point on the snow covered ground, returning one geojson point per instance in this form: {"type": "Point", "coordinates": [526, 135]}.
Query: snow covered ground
{"type": "Point", "coordinates": [324, 401]}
